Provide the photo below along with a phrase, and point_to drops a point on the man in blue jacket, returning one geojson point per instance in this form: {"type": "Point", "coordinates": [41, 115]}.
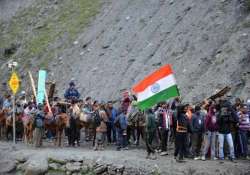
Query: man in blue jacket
{"type": "Point", "coordinates": [111, 131]}
{"type": "Point", "coordinates": [198, 128]}
{"type": "Point", "coordinates": [122, 124]}
{"type": "Point", "coordinates": [72, 93]}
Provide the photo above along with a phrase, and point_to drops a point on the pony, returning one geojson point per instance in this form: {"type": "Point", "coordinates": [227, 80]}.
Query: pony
{"type": "Point", "coordinates": [62, 122]}
{"type": "Point", "coordinates": [28, 129]}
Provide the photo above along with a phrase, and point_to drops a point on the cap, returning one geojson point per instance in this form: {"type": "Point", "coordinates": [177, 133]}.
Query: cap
{"type": "Point", "coordinates": [72, 83]}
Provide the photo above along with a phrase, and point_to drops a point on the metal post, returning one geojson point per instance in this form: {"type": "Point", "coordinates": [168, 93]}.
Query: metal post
{"type": "Point", "coordinates": [14, 121]}
{"type": "Point", "coordinates": [14, 115]}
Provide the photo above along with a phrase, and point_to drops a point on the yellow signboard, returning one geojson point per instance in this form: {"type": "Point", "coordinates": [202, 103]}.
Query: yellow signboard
{"type": "Point", "coordinates": [14, 83]}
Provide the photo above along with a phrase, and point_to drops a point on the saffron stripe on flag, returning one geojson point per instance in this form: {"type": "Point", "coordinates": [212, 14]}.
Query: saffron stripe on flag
{"type": "Point", "coordinates": [161, 96]}
{"type": "Point", "coordinates": [151, 79]}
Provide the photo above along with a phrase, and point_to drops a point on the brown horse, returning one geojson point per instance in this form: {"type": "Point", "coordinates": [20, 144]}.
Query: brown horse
{"type": "Point", "coordinates": [28, 129]}
{"type": "Point", "coordinates": [57, 126]}
{"type": "Point", "coordinates": [3, 116]}
{"type": "Point", "coordinates": [19, 127]}
{"type": "Point", "coordinates": [61, 123]}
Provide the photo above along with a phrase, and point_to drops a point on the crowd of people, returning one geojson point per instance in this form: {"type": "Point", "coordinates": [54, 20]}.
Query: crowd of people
{"type": "Point", "coordinates": [214, 129]}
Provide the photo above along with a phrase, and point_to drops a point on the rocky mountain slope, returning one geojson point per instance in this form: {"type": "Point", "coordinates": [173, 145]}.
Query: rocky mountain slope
{"type": "Point", "coordinates": [207, 42]}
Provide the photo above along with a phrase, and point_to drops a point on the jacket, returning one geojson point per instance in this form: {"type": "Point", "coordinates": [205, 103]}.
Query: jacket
{"type": "Point", "coordinates": [140, 119]}
{"type": "Point", "coordinates": [104, 120]}
{"type": "Point", "coordinates": [226, 119]}
{"type": "Point", "coordinates": [123, 121]}
{"type": "Point", "coordinates": [132, 116]}
{"type": "Point", "coordinates": [244, 121]}
{"type": "Point", "coordinates": [183, 124]}
{"type": "Point", "coordinates": [39, 116]}
{"type": "Point", "coordinates": [71, 93]}
{"type": "Point", "coordinates": [112, 114]}
{"type": "Point", "coordinates": [150, 123]}
{"type": "Point", "coordinates": [211, 121]}
{"type": "Point", "coordinates": [164, 118]}
{"type": "Point", "coordinates": [198, 122]}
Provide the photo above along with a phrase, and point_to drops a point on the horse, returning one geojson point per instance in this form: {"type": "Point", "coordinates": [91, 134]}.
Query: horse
{"type": "Point", "coordinates": [57, 126]}
{"type": "Point", "coordinates": [28, 129]}
{"type": "Point", "coordinates": [62, 122]}
{"type": "Point", "coordinates": [19, 127]}
{"type": "Point", "coordinates": [3, 116]}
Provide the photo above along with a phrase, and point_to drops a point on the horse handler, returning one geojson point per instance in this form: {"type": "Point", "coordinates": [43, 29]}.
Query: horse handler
{"type": "Point", "coordinates": [39, 126]}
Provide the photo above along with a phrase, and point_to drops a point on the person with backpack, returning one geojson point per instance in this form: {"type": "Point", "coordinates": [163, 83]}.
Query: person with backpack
{"type": "Point", "coordinates": [121, 124]}
{"type": "Point", "coordinates": [225, 120]}
{"type": "Point", "coordinates": [131, 117]}
{"type": "Point", "coordinates": [150, 133]}
{"type": "Point", "coordinates": [101, 128]}
{"type": "Point", "coordinates": [211, 128]}
{"type": "Point", "coordinates": [198, 129]}
{"type": "Point", "coordinates": [244, 127]}
{"type": "Point", "coordinates": [39, 125]}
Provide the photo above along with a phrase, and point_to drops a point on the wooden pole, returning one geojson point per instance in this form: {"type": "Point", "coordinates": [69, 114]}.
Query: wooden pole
{"type": "Point", "coordinates": [32, 84]}
{"type": "Point", "coordinates": [47, 101]}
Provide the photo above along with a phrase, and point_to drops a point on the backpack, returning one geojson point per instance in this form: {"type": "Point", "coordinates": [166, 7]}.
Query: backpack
{"type": "Point", "coordinates": [117, 122]}
{"type": "Point", "coordinates": [39, 122]}
{"type": "Point", "coordinates": [97, 119]}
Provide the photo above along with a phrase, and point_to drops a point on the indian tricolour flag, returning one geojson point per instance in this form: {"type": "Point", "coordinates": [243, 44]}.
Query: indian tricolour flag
{"type": "Point", "coordinates": [157, 87]}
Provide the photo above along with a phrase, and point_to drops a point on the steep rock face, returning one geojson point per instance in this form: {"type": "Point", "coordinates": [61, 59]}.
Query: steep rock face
{"type": "Point", "coordinates": [8, 8]}
{"type": "Point", "coordinates": [207, 42]}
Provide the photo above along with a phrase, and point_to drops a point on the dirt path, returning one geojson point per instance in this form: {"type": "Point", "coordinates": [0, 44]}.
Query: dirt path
{"type": "Point", "coordinates": [134, 158]}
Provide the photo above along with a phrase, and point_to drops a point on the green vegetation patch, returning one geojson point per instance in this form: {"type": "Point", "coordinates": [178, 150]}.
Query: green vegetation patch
{"type": "Point", "coordinates": [247, 2]}
{"type": "Point", "coordinates": [44, 29]}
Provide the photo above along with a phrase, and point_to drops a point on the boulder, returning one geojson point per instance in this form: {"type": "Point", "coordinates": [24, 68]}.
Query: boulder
{"type": "Point", "coordinates": [54, 166]}
{"type": "Point", "coordinates": [62, 168]}
{"type": "Point", "coordinates": [85, 168]}
{"type": "Point", "coordinates": [120, 168]}
{"type": "Point", "coordinates": [100, 169]}
{"type": "Point", "coordinates": [73, 167]}
{"type": "Point", "coordinates": [7, 167]}
{"type": "Point", "coordinates": [36, 166]}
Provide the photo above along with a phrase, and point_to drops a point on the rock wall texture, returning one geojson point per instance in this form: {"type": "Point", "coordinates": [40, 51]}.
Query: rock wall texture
{"type": "Point", "coordinates": [207, 42]}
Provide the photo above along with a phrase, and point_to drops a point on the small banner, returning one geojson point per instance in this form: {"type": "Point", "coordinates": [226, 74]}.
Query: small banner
{"type": "Point", "coordinates": [41, 86]}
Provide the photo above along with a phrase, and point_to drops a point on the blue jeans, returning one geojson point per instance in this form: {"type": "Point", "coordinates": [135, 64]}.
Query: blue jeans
{"type": "Point", "coordinates": [111, 132]}
{"type": "Point", "coordinates": [122, 139]}
{"type": "Point", "coordinates": [230, 144]}
{"type": "Point", "coordinates": [49, 134]}
{"type": "Point", "coordinates": [210, 138]}
{"type": "Point", "coordinates": [243, 143]}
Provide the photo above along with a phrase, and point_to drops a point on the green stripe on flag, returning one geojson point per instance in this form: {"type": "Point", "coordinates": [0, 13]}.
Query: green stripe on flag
{"type": "Point", "coordinates": [159, 97]}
